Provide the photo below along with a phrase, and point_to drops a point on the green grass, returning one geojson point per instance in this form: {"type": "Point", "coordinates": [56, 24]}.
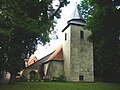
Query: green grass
{"type": "Point", "coordinates": [60, 86]}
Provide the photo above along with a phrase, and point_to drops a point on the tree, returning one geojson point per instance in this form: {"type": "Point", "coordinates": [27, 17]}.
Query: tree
{"type": "Point", "coordinates": [103, 20]}
{"type": "Point", "coordinates": [24, 24]}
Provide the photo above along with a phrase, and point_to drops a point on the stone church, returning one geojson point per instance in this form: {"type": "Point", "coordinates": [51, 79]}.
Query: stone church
{"type": "Point", "coordinates": [73, 59]}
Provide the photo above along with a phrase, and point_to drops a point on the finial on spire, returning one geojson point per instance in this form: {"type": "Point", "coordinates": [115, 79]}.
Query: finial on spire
{"type": "Point", "coordinates": [76, 3]}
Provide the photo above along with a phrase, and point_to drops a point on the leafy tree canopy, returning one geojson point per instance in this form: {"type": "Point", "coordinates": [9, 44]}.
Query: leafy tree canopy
{"type": "Point", "coordinates": [103, 18]}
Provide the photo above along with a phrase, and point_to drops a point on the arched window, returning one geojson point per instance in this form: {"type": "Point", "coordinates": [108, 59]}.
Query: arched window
{"type": "Point", "coordinates": [81, 34]}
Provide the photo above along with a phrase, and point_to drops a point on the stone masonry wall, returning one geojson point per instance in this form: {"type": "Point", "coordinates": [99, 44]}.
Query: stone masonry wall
{"type": "Point", "coordinates": [79, 61]}
{"type": "Point", "coordinates": [66, 53]}
{"type": "Point", "coordinates": [55, 69]}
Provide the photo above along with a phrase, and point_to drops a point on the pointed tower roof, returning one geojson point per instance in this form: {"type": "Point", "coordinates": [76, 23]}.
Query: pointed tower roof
{"type": "Point", "coordinates": [76, 14]}
{"type": "Point", "coordinates": [76, 19]}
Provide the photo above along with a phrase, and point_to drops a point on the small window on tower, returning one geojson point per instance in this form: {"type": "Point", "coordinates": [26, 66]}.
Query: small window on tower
{"type": "Point", "coordinates": [65, 36]}
{"type": "Point", "coordinates": [81, 34]}
{"type": "Point", "coordinates": [81, 77]}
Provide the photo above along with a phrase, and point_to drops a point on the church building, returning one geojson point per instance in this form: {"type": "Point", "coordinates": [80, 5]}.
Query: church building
{"type": "Point", "coordinates": [73, 59]}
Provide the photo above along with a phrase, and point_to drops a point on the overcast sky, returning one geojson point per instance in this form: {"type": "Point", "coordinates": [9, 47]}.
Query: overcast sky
{"type": "Point", "coordinates": [61, 23]}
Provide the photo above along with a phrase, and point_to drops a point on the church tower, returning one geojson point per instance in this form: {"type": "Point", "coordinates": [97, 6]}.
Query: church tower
{"type": "Point", "coordinates": [77, 50]}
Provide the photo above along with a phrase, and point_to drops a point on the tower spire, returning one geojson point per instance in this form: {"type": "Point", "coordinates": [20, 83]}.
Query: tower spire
{"type": "Point", "coordinates": [76, 18]}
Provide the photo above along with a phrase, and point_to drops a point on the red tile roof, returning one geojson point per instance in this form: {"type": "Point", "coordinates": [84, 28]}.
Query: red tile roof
{"type": "Point", "coordinates": [56, 55]}
{"type": "Point", "coordinates": [31, 60]}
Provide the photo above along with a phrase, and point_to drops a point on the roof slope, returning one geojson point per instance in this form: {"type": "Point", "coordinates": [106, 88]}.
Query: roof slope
{"type": "Point", "coordinates": [76, 14]}
{"type": "Point", "coordinates": [32, 60]}
{"type": "Point", "coordinates": [40, 60]}
{"type": "Point", "coordinates": [56, 55]}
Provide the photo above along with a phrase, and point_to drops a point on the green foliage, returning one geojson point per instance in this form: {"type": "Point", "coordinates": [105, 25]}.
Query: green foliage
{"type": "Point", "coordinates": [103, 20]}
{"type": "Point", "coordinates": [59, 79]}
{"type": "Point", "coordinates": [23, 78]}
{"type": "Point", "coordinates": [55, 79]}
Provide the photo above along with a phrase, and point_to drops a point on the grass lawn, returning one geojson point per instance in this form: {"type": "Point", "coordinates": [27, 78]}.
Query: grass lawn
{"type": "Point", "coordinates": [60, 86]}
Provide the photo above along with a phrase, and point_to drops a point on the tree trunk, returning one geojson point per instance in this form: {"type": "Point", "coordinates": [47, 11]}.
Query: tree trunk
{"type": "Point", "coordinates": [12, 78]}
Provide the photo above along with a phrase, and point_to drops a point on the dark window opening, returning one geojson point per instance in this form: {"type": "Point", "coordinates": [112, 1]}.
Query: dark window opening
{"type": "Point", "coordinates": [65, 36]}
{"type": "Point", "coordinates": [81, 34]}
{"type": "Point", "coordinates": [81, 77]}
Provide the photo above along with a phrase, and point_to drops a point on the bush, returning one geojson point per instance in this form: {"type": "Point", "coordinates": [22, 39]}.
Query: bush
{"type": "Point", "coordinates": [23, 78]}
{"type": "Point", "coordinates": [59, 79]}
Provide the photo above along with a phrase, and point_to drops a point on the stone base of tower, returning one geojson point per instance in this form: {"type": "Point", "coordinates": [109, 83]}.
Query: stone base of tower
{"type": "Point", "coordinates": [80, 78]}
{"type": "Point", "coordinates": [89, 78]}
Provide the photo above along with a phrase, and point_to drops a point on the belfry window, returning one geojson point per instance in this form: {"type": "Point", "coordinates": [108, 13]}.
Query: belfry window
{"type": "Point", "coordinates": [81, 34]}
{"type": "Point", "coordinates": [65, 36]}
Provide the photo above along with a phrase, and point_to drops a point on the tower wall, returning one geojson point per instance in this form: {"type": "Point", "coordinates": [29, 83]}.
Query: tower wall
{"type": "Point", "coordinates": [66, 53]}
{"type": "Point", "coordinates": [78, 54]}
